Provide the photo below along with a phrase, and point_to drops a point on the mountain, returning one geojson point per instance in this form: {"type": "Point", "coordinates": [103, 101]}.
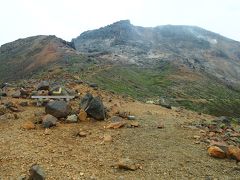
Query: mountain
{"type": "Point", "coordinates": [25, 56]}
{"type": "Point", "coordinates": [182, 65]}
{"type": "Point", "coordinates": [193, 47]}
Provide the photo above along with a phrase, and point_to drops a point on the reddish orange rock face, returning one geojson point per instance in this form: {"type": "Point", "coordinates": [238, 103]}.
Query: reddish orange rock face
{"type": "Point", "coordinates": [216, 152]}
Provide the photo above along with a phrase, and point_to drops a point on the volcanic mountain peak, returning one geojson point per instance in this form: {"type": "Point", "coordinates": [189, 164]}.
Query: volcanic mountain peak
{"type": "Point", "coordinates": [24, 56]}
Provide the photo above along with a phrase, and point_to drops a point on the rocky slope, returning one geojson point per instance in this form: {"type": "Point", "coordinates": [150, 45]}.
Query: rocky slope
{"type": "Point", "coordinates": [25, 56]}
{"type": "Point", "coordinates": [193, 47]}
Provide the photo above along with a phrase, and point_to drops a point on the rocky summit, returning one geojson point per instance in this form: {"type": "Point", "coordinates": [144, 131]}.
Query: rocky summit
{"type": "Point", "coordinates": [121, 102]}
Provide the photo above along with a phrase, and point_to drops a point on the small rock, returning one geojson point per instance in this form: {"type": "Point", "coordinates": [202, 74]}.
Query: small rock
{"type": "Point", "coordinates": [134, 124]}
{"type": "Point", "coordinates": [115, 119]}
{"type": "Point", "coordinates": [37, 173]}
{"type": "Point", "coordinates": [93, 85]}
{"type": "Point", "coordinates": [115, 125]}
{"type": "Point", "coordinates": [216, 152]}
{"type": "Point", "coordinates": [123, 114]}
{"type": "Point", "coordinates": [28, 125]}
{"type": "Point", "coordinates": [24, 103]}
{"type": "Point", "coordinates": [49, 121]}
{"type": "Point", "coordinates": [3, 110]}
{"type": "Point", "coordinates": [47, 131]}
{"type": "Point", "coordinates": [43, 85]}
{"type": "Point", "coordinates": [72, 119]}
{"type": "Point", "coordinates": [16, 94]}
{"type": "Point", "coordinates": [126, 164]}
{"type": "Point", "coordinates": [107, 138]}
{"type": "Point", "coordinates": [196, 137]}
{"type": "Point", "coordinates": [160, 125]}
{"type": "Point", "coordinates": [82, 134]}
{"type": "Point", "coordinates": [82, 115]}
{"type": "Point", "coordinates": [131, 117]}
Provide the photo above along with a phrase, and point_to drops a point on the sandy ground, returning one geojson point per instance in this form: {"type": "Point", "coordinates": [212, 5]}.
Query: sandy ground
{"type": "Point", "coordinates": [168, 153]}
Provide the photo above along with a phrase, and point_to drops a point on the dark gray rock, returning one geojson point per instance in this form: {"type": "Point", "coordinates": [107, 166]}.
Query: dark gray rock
{"type": "Point", "coordinates": [93, 85]}
{"type": "Point", "coordinates": [93, 106]}
{"type": "Point", "coordinates": [59, 109]}
{"type": "Point", "coordinates": [43, 85]}
{"type": "Point", "coordinates": [49, 121]}
{"type": "Point", "coordinates": [164, 103]}
{"type": "Point", "coordinates": [223, 119]}
{"type": "Point", "coordinates": [37, 173]}
{"type": "Point", "coordinates": [3, 94]}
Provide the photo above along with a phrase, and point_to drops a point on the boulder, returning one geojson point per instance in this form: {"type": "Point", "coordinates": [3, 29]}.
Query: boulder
{"type": "Point", "coordinates": [165, 103]}
{"type": "Point", "coordinates": [72, 119]}
{"type": "Point", "coordinates": [93, 106]}
{"type": "Point", "coordinates": [223, 119]}
{"type": "Point", "coordinates": [49, 121]}
{"type": "Point", "coordinates": [16, 94]}
{"type": "Point", "coordinates": [216, 152]}
{"type": "Point", "coordinates": [37, 173]}
{"type": "Point", "coordinates": [59, 109]}
{"type": "Point", "coordinates": [43, 85]}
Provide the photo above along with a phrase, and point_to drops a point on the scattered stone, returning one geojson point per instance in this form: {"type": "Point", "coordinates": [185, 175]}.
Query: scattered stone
{"type": "Point", "coordinates": [107, 138]}
{"type": "Point", "coordinates": [131, 117]}
{"type": "Point", "coordinates": [3, 94]}
{"type": "Point", "coordinates": [196, 137]}
{"type": "Point", "coordinates": [24, 92]}
{"type": "Point", "coordinates": [160, 125]}
{"type": "Point", "coordinates": [16, 94]}
{"type": "Point", "coordinates": [216, 152]}
{"type": "Point", "coordinates": [28, 125]}
{"type": "Point", "coordinates": [59, 109]}
{"type": "Point", "coordinates": [93, 85]}
{"type": "Point", "coordinates": [37, 173]}
{"type": "Point", "coordinates": [233, 152]}
{"type": "Point", "coordinates": [43, 85]}
{"type": "Point", "coordinates": [115, 119]}
{"type": "Point", "coordinates": [47, 131]}
{"type": "Point", "coordinates": [116, 125]}
{"type": "Point", "coordinates": [126, 164]}
{"type": "Point", "coordinates": [123, 114]}
{"type": "Point", "coordinates": [134, 124]}
{"type": "Point", "coordinates": [93, 106]}
{"type": "Point", "coordinates": [72, 119]}
{"type": "Point", "coordinates": [223, 119]}
{"type": "Point", "coordinates": [82, 115]}
{"type": "Point", "coordinates": [23, 104]}
{"type": "Point", "coordinates": [165, 103]}
{"type": "Point", "coordinates": [3, 110]}
{"type": "Point", "coordinates": [82, 134]}
{"type": "Point", "coordinates": [49, 121]}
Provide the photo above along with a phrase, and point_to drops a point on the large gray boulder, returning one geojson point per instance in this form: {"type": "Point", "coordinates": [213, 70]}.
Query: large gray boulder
{"type": "Point", "coordinates": [93, 106]}
{"type": "Point", "coordinates": [43, 85]}
{"type": "Point", "coordinates": [37, 173]}
{"type": "Point", "coordinates": [59, 109]}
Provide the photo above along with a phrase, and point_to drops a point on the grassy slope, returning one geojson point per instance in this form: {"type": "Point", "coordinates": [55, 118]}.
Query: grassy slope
{"type": "Point", "coordinates": [203, 95]}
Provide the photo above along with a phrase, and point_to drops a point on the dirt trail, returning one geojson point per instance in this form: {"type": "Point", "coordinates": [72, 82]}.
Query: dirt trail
{"type": "Point", "coordinates": [168, 153]}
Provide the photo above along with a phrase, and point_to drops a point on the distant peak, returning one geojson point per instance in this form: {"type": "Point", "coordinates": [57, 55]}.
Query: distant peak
{"type": "Point", "coordinates": [123, 22]}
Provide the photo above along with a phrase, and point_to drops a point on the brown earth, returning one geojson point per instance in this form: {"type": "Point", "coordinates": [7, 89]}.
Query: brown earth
{"type": "Point", "coordinates": [168, 153]}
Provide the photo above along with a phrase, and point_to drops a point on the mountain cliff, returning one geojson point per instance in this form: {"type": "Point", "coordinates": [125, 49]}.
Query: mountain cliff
{"type": "Point", "coordinates": [189, 46]}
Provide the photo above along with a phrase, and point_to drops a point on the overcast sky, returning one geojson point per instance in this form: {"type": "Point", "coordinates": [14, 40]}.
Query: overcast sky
{"type": "Point", "coordinates": [68, 18]}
